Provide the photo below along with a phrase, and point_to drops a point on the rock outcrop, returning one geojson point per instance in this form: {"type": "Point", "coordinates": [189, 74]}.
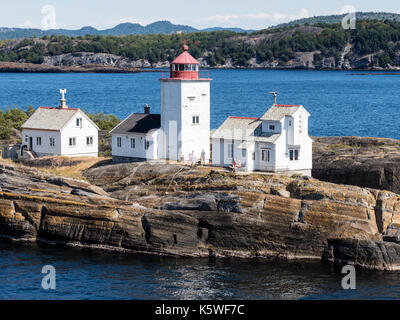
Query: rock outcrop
{"type": "Point", "coordinates": [364, 162]}
{"type": "Point", "coordinates": [172, 209]}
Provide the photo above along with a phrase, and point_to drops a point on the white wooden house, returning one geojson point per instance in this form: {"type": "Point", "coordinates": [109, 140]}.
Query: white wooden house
{"type": "Point", "coordinates": [137, 137]}
{"type": "Point", "coordinates": [276, 142]}
{"type": "Point", "coordinates": [60, 131]}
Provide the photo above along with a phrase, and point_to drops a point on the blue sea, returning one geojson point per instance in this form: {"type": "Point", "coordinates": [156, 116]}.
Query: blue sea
{"type": "Point", "coordinates": [341, 103]}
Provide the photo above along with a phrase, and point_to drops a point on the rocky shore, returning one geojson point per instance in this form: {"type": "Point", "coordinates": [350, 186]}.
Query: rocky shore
{"type": "Point", "coordinates": [87, 62]}
{"type": "Point", "coordinates": [172, 209]}
{"type": "Point", "coordinates": [364, 162]}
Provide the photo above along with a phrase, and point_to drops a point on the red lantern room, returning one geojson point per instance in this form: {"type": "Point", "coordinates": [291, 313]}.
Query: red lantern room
{"type": "Point", "coordinates": [185, 66]}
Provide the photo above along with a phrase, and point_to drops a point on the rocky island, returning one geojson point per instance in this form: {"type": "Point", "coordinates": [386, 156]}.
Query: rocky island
{"type": "Point", "coordinates": [179, 210]}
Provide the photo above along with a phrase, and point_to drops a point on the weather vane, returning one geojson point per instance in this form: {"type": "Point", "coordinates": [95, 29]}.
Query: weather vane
{"type": "Point", "coordinates": [274, 95]}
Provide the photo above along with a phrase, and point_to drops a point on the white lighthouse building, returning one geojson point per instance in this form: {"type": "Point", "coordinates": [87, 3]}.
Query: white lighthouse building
{"type": "Point", "coordinates": [182, 131]}
{"type": "Point", "coordinates": [185, 110]}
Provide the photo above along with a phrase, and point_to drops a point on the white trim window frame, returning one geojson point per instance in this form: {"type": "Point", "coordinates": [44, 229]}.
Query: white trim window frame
{"type": "Point", "coordinates": [133, 143]}
{"type": "Point", "coordinates": [146, 144]}
{"type": "Point", "coordinates": [266, 155]}
{"type": "Point", "coordinates": [89, 141]}
{"type": "Point", "coordinates": [119, 142]}
{"type": "Point", "coordinates": [38, 141]}
{"type": "Point", "coordinates": [79, 122]}
{"type": "Point", "coordinates": [195, 120]}
{"type": "Point", "coordinates": [294, 154]}
{"type": "Point", "coordinates": [72, 142]}
{"type": "Point", "coordinates": [52, 142]}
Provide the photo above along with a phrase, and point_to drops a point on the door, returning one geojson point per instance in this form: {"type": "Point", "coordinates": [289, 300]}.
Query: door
{"type": "Point", "coordinates": [30, 143]}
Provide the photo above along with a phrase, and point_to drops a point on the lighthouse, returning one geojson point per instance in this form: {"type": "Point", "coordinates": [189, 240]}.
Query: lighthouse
{"type": "Point", "coordinates": [185, 110]}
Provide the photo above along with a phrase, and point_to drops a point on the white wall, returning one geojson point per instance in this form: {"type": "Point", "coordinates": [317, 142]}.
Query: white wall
{"type": "Point", "coordinates": [180, 101]}
{"type": "Point", "coordinates": [294, 135]}
{"type": "Point", "coordinates": [196, 102]}
{"type": "Point", "coordinates": [139, 151]}
{"type": "Point", "coordinates": [265, 165]}
{"type": "Point", "coordinates": [216, 152]}
{"type": "Point", "coordinates": [44, 148]}
{"type": "Point", "coordinates": [171, 105]}
{"type": "Point", "coordinates": [80, 133]}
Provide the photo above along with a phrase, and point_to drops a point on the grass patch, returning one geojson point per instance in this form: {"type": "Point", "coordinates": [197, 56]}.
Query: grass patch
{"type": "Point", "coordinates": [339, 146]}
{"type": "Point", "coordinates": [75, 171]}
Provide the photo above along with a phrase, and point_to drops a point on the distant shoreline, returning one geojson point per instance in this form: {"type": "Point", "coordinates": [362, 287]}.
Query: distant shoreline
{"type": "Point", "coordinates": [16, 67]}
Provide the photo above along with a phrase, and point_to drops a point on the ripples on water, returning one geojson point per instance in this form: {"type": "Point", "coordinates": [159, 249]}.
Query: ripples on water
{"type": "Point", "coordinates": [341, 103]}
{"type": "Point", "coordinates": [90, 274]}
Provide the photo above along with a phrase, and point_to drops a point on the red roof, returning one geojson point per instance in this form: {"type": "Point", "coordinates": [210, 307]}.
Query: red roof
{"type": "Point", "coordinates": [185, 57]}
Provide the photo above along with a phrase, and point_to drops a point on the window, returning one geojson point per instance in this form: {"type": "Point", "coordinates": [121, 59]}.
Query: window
{"type": "Point", "coordinates": [253, 156]}
{"type": "Point", "coordinates": [133, 143]}
{"type": "Point", "coordinates": [294, 154]}
{"type": "Point", "coordinates": [39, 141]}
{"type": "Point", "coordinates": [230, 150]}
{"type": "Point", "coordinates": [195, 119]}
{"type": "Point", "coordinates": [271, 127]}
{"type": "Point", "coordinates": [290, 123]}
{"type": "Point", "coordinates": [89, 141]}
{"type": "Point", "coordinates": [79, 122]}
{"type": "Point", "coordinates": [265, 155]}
{"type": "Point", "coordinates": [244, 152]}
{"type": "Point", "coordinates": [72, 142]}
{"type": "Point", "coordinates": [119, 142]}
{"type": "Point", "coordinates": [146, 144]}
{"type": "Point", "coordinates": [52, 142]}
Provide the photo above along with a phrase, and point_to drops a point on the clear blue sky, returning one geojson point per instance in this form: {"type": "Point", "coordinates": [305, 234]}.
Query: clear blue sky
{"type": "Point", "coordinates": [102, 14]}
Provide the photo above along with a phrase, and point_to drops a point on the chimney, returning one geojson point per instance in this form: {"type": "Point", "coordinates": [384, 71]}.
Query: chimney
{"type": "Point", "coordinates": [63, 101]}
{"type": "Point", "coordinates": [146, 109]}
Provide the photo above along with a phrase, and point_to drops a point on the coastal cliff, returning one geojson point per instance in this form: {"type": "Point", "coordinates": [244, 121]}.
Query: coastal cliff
{"type": "Point", "coordinates": [172, 209]}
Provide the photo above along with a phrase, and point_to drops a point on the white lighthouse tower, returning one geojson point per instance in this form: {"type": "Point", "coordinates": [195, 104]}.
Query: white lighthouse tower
{"type": "Point", "coordinates": [185, 110]}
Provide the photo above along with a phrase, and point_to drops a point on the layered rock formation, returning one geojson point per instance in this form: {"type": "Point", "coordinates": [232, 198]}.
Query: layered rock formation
{"type": "Point", "coordinates": [198, 212]}
{"type": "Point", "coordinates": [364, 162]}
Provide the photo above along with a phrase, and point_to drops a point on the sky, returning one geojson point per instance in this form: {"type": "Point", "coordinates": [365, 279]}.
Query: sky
{"type": "Point", "coordinates": [102, 14]}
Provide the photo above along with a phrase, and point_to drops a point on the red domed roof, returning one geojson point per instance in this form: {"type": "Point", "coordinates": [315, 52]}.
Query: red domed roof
{"type": "Point", "coordinates": [185, 57]}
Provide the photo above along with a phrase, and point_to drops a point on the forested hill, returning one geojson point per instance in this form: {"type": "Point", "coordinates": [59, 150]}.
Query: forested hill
{"type": "Point", "coordinates": [127, 28]}
{"type": "Point", "coordinates": [337, 18]}
{"type": "Point", "coordinates": [372, 45]}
